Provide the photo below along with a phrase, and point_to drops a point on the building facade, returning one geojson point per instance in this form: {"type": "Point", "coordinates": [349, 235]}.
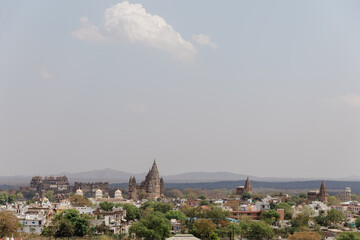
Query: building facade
{"type": "Point", "coordinates": [89, 188]}
{"type": "Point", "coordinates": [57, 184]}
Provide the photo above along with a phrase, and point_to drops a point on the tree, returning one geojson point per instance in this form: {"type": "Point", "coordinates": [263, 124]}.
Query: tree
{"type": "Point", "coordinates": [175, 214]}
{"type": "Point", "coordinates": [234, 230]}
{"type": "Point", "coordinates": [8, 223]}
{"type": "Point", "coordinates": [259, 230]}
{"type": "Point", "coordinates": [216, 214]}
{"type": "Point", "coordinates": [357, 223]}
{"type": "Point", "coordinates": [322, 220]}
{"type": "Point", "coordinates": [50, 195]}
{"type": "Point", "coordinates": [65, 229]}
{"type": "Point", "coordinates": [173, 193]}
{"type": "Point", "coordinates": [132, 212]}
{"type": "Point", "coordinates": [213, 236]}
{"type": "Point", "coordinates": [48, 231]}
{"type": "Point", "coordinates": [303, 195]}
{"type": "Point", "coordinates": [106, 206]}
{"type": "Point", "coordinates": [332, 200]}
{"type": "Point", "coordinates": [305, 236]}
{"type": "Point", "coordinates": [334, 216]}
{"type": "Point", "coordinates": [163, 207]}
{"type": "Point", "coordinates": [270, 217]}
{"type": "Point", "coordinates": [12, 198]}
{"type": "Point", "coordinates": [246, 195]}
{"type": "Point", "coordinates": [348, 236]}
{"type": "Point", "coordinates": [203, 227]}
{"type": "Point", "coordinates": [300, 222]}
{"type": "Point", "coordinates": [69, 223]}
{"type": "Point", "coordinates": [154, 227]}
{"type": "Point", "coordinates": [3, 198]}
{"type": "Point", "coordinates": [79, 201]}
{"type": "Point", "coordinates": [307, 211]}
{"type": "Point", "coordinates": [288, 210]}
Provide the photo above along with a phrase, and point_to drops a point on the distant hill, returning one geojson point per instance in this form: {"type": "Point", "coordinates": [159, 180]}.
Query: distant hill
{"type": "Point", "coordinates": [205, 180]}
{"type": "Point", "coordinates": [299, 186]}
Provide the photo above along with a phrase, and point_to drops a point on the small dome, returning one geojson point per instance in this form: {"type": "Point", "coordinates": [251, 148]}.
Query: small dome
{"type": "Point", "coordinates": [98, 191]}
{"type": "Point", "coordinates": [118, 194]}
{"type": "Point", "coordinates": [348, 189]}
{"type": "Point", "coordinates": [79, 192]}
{"type": "Point", "coordinates": [45, 199]}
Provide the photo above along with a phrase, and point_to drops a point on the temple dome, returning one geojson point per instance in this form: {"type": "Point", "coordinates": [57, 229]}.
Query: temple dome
{"type": "Point", "coordinates": [79, 192]}
{"type": "Point", "coordinates": [118, 194]}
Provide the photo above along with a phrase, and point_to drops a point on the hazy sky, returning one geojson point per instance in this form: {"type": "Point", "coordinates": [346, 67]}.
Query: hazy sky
{"type": "Point", "coordinates": [265, 88]}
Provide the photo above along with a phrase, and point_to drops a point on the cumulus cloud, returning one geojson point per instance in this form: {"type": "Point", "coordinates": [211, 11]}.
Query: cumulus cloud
{"type": "Point", "coordinates": [204, 40]}
{"type": "Point", "coordinates": [45, 74]}
{"type": "Point", "coordinates": [351, 100]}
{"type": "Point", "coordinates": [130, 23]}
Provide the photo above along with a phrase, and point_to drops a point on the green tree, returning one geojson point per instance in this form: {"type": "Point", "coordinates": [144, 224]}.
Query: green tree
{"type": "Point", "coordinates": [300, 222]}
{"type": "Point", "coordinates": [203, 227]}
{"type": "Point", "coordinates": [79, 201]}
{"type": "Point", "coordinates": [65, 229]}
{"type": "Point", "coordinates": [50, 195]}
{"type": "Point", "coordinates": [335, 216]}
{"type": "Point", "coordinates": [132, 212]}
{"type": "Point", "coordinates": [259, 230]}
{"type": "Point", "coordinates": [175, 214]}
{"type": "Point", "coordinates": [162, 207]}
{"type": "Point", "coordinates": [303, 195]}
{"type": "Point", "coordinates": [106, 206]}
{"type": "Point", "coordinates": [69, 223]}
{"type": "Point", "coordinates": [3, 198]}
{"type": "Point", "coordinates": [357, 223]}
{"type": "Point", "coordinates": [12, 198]}
{"type": "Point", "coordinates": [332, 200]}
{"type": "Point", "coordinates": [270, 217]}
{"type": "Point", "coordinates": [246, 195]}
{"type": "Point", "coordinates": [213, 236]}
{"type": "Point", "coordinates": [48, 231]}
{"type": "Point", "coordinates": [348, 236]}
{"type": "Point", "coordinates": [216, 214]}
{"type": "Point", "coordinates": [8, 223]}
{"type": "Point", "coordinates": [322, 220]}
{"type": "Point", "coordinates": [154, 227]}
{"type": "Point", "coordinates": [288, 210]}
{"type": "Point", "coordinates": [307, 211]}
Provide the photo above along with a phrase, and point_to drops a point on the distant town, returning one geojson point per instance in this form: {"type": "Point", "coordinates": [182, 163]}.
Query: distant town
{"type": "Point", "coordinates": [51, 207]}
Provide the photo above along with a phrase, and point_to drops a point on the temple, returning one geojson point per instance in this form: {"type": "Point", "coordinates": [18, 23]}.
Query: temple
{"type": "Point", "coordinates": [151, 188]}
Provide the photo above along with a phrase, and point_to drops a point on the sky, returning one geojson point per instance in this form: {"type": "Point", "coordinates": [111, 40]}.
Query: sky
{"type": "Point", "coordinates": [266, 88]}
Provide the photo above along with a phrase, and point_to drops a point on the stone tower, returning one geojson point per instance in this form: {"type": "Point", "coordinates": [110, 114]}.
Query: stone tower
{"type": "Point", "coordinates": [133, 188]}
{"type": "Point", "coordinates": [248, 186]}
{"type": "Point", "coordinates": [152, 183]}
{"type": "Point", "coordinates": [347, 194]}
{"type": "Point", "coordinates": [152, 186]}
{"type": "Point", "coordinates": [323, 194]}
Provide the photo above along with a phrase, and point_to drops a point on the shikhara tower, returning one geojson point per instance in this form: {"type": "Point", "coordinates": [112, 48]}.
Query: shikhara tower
{"type": "Point", "coordinates": [151, 188]}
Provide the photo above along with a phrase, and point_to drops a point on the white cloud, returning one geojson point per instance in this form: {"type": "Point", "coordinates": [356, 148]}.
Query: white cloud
{"type": "Point", "coordinates": [351, 100]}
{"type": "Point", "coordinates": [45, 74]}
{"type": "Point", "coordinates": [204, 40]}
{"type": "Point", "coordinates": [130, 23]}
